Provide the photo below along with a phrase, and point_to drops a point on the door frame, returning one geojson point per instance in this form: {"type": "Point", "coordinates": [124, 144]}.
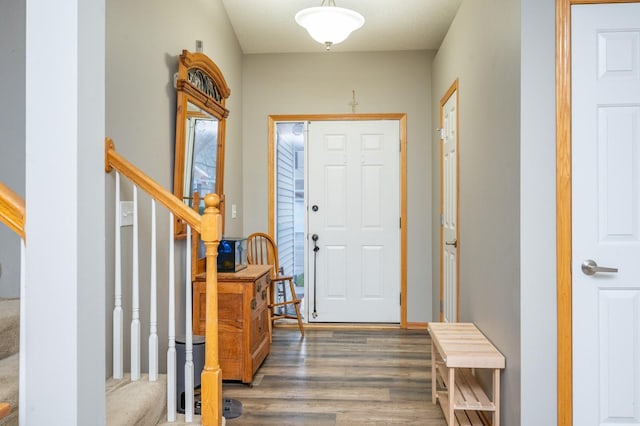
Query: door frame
{"type": "Point", "coordinates": [563, 205]}
{"type": "Point", "coordinates": [452, 89]}
{"type": "Point", "coordinates": [402, 119]}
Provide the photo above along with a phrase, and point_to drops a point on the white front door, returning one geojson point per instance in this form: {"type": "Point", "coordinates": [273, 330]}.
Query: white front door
{"type": "Point", "coordinates": [449, 207]}
{"type": "Point", "coordinates": [606, 213]}
{"type": "Point", "coordinates": [353, 202]}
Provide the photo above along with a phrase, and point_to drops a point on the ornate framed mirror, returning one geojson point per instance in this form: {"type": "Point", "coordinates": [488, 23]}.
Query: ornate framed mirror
{"type": "Point", "coordinates": [200, 131]}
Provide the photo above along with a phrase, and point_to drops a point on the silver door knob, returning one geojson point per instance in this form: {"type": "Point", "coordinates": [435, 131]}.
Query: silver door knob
{"type": "Point", "coordinates": [590, 267]}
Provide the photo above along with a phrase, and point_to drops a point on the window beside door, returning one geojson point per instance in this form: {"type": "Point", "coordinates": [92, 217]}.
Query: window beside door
{"type": "Point", "coordinates": [289, 202]}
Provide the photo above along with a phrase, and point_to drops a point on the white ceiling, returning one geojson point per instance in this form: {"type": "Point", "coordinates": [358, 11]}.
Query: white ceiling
{"type": "Point", "coordinates": [268, 26]}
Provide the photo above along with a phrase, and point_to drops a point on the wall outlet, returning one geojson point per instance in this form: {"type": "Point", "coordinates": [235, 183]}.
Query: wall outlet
{"type": "Point", "coordinates": [126, 213]}
{"type": "Point", "coordinates": [234, 211]}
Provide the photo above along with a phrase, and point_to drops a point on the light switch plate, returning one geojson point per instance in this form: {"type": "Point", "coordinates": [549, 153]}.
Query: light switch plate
{"type": "Point", "coordinates": [126, 213]}
{"type": "Point", "coordinates": [234, 211]}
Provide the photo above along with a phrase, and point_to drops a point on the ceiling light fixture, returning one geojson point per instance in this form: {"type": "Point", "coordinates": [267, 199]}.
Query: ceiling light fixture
{"type": "Point", "coordinates": [329, 24]}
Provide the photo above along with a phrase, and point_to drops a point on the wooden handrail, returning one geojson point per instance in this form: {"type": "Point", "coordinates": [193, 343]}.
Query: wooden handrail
{"type": "Point", "coordinates": [12, 210]}
{"type": "Point", "coordinates": [5, 409]}
{"type": "Point", "coordinates": [113, 160]}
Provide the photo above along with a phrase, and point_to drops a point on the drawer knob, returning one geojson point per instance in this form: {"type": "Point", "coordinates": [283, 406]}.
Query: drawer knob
{"type": "Point", "coordinates": [254, 303]}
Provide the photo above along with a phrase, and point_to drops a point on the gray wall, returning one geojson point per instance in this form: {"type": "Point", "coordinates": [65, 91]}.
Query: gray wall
{"type": "Point", "coordinates": [482, 50]}
{"type": "Point", "coordinates": [321, 83]}
{"type": "Point", "coordinates": [143, 42]}
{"type": "Point", "coordinates": [537, 215]}
{"type": "Point", "coordinates": [12, 122]}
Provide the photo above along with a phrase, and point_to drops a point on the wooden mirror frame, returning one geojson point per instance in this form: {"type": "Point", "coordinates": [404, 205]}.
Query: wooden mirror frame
{"type": "Point", "coordinates": [200, 82]}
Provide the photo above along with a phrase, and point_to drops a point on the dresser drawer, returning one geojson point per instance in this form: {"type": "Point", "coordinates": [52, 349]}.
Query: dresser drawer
{"type": "Point", "coordinates": [259, 328]}
{"type": "Point", "coordinates": [261, 289]}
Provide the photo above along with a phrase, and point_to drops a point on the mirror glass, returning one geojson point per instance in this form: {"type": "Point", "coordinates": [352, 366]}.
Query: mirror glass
{"type": "Point", "coordinates": [200, 132]}
{"type": "Point", "coordinates": [201, 153]}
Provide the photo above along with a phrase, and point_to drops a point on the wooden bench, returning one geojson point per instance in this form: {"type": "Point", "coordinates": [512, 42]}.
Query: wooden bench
{"type": "Point", "coordinates": [456, 349]}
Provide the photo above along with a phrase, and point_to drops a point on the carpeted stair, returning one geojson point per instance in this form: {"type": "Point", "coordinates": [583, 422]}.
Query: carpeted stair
{"type": "Point", "coordinates": [9, 358]}
{"type": "Point", "coordinates": [138, 403]}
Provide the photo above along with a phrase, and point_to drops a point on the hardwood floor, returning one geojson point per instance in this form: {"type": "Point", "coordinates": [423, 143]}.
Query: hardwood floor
{"type": "Point", "coordinates": [341, 377]}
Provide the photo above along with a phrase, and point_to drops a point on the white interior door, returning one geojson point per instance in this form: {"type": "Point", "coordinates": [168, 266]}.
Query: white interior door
{"type": "Point", "coordinates": [606, 213]}
{"type": "Point", "coordinates": [353, 202]}
{"type": "Point", "coordinates": [449, 209]}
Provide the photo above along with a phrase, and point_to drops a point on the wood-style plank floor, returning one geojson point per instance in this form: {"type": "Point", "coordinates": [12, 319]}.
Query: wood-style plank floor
{"type": "Point", "coordinates": [341, 377]}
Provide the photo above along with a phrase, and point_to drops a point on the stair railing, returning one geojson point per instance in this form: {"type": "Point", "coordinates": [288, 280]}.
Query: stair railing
{"type": "Point", "coordinates": [12, 210]}
{"type": "Point", "coordinates": [5, 408]}
{"type": "Point", "coordinates": [12, 214]}
{"type": "Point", "coordinates": [209, 227]}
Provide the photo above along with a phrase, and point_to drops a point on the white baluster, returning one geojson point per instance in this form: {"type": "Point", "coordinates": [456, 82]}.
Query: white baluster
{"type": "Point", "coordinates": [22, 379]}
{"type": "Point", "coordinates": [153, 303]}
{"type": "Point", "coordinates": [135, 302]}
{"type": "Point", "coordinates": [171, 351]}
{"type": "Point", "coordinates": [118, 333]}
{"type": "Point", "coordinates": [188, 364]}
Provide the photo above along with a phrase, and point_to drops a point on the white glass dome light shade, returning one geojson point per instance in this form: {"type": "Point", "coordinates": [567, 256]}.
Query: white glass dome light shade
{"type": "Point", "coordinates": [329, 25]}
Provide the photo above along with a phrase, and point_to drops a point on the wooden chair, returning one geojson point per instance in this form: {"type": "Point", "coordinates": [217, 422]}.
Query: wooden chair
{"type": "Point", "coordinates": [262, 250]}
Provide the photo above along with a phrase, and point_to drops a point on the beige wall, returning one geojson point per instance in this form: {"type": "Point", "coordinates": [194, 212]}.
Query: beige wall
{"type": "Point", "coordinates": [143, 42]}
{"type": "Point", "coordinates": [482, 50]}
{"type": "Point", "coordinates": [321, 83]}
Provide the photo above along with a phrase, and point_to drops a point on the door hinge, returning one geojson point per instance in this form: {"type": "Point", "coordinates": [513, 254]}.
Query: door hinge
{"type": "Point", "coordinates": [442, 306]}
{"type": "Point", "coordinates": [443, 134]}
{"type": "Point", "coordinates": [400, 301]}
{"type": "Point", "coordinates": [400, 220]}
{"type": "Point", "coordinates": [441, 220]}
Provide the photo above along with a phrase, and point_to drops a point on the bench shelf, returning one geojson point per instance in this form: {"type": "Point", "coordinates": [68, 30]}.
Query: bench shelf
{"type": "Point", "coordinates": [456, 349]}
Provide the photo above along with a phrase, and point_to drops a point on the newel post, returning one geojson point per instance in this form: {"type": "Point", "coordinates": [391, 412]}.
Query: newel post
{"type": "Point", "coordinates": [211, 231]}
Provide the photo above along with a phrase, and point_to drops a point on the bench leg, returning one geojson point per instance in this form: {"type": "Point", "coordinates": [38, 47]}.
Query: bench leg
{"type": "Point", "coordinates": [452, 396]}
{"type": "Point", "coordinates": [434, 378]}
{"type": "Point", "coordinates": [496, 396]}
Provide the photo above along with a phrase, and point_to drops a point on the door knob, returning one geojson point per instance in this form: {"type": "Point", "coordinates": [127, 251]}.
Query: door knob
{"type": "Point", "coordinates": [452, 243]}
{"type": "Point", "coordinates": [590, 267]}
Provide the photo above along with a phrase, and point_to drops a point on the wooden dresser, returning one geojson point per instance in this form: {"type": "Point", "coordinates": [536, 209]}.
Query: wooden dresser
{"type": "Point", "coordinates": [243, 319]}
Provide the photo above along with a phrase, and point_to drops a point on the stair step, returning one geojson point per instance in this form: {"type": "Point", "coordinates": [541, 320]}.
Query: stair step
{"type": "Point", "coordinates": [9, 387]}
{"type": "Point", "coordinates": [9, 327]}
{"type": "Point", "coordinates": [139, 403]}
